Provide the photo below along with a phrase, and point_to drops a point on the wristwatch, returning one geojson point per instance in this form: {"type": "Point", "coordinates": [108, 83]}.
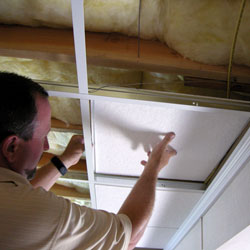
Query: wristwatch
{"type": "Point", "coordinates": [59, 165]}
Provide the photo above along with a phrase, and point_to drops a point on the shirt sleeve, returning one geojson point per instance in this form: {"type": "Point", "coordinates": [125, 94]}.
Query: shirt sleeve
{"type": "Point", "coordinates": [85, 228]}
{"type": "Point", "coordinates": [37, 219]}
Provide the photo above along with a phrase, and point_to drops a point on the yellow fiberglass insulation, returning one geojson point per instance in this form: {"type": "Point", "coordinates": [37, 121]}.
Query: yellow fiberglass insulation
{"type": "Point", "coordinates": [65, 73]}
{"type": "Point", "coordinates": [58, 141]}
{"type": "Point", "coordinates": [199, 30]}
{"type": "Point", "coordinates": [66, 110]}
{"type": "Point", "coordinates": [61, 72]}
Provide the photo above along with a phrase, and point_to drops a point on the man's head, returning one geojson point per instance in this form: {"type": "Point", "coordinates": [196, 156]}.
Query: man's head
{"type": "Point", "coordinates": [24, 123]}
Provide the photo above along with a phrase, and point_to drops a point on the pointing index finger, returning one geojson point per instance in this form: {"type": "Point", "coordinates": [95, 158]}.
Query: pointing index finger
{"type": "Point", "coordinates": [168, 138]}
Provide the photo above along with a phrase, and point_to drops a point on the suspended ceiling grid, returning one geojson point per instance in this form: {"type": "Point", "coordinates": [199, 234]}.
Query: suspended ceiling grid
{"type": "Point", "coordinates": [95, 125]}
{"type": "Point", "coordinates": [95, 122]}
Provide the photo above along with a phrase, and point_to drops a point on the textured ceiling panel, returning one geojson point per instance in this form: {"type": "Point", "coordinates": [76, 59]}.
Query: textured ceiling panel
{"type": "Point", "coordinates": [171, 208]}
{"type": "Point", "coordinates": [125, 132]}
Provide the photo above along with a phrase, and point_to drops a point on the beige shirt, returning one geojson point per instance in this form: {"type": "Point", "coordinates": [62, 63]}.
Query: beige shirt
{"type": "Point", "coordinates": [34, 219]}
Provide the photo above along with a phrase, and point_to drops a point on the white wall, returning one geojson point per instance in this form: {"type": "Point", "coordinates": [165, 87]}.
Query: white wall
{"type": "Point", "coordinates": [228, 216]}
{"type": "Point", "coordinates": [193, 241]}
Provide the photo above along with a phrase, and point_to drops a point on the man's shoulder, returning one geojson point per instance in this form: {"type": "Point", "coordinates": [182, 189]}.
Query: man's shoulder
{"type": "Point", "coordinates": [31, 216]}
{"type": "Point", "coordinates": [25, 198]}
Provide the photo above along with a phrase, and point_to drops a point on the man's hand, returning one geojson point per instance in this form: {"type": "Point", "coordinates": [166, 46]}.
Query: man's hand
{"type": "Point", "coordinates": [139, 204]}
{"type": "Point", "coordinates": [161, 154]}
{"type": "Point", "coordinates": [73, 151]}
{"type": "Point", "coordinates": [47, 175]}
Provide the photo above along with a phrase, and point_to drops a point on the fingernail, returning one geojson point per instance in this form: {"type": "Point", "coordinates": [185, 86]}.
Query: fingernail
{"type": "Point", "coordinates": [172, 136]}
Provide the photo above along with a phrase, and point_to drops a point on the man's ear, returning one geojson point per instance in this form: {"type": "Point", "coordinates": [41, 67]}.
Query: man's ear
{"type": "Point", "coordinates": [9, 147]}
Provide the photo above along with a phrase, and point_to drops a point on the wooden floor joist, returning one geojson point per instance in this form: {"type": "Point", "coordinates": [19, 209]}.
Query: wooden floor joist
{"type": "Point", "coordinates": [37, 43]}
{"type": "Point", "coordinates": [58, 124]}
{"type": "Point", "coordinates": [113, 50]}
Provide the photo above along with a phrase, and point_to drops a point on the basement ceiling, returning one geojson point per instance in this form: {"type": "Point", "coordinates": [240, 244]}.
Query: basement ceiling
{"type": "Point", "coordinates": [122, 131]}
{"type": "Point", "coordinates": [125, 132]}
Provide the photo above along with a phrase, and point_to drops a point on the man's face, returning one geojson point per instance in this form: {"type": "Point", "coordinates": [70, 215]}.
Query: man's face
{"type": "Point", "coordinates": [31, 150]}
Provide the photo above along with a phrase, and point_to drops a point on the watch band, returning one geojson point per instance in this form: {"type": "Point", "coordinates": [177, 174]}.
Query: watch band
{"type": "Point", "coordinates": [59, 165]}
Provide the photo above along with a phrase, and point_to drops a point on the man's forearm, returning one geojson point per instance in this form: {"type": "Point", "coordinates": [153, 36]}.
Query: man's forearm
{"type": "Point", "coordinates": [48, 174]}
{"type": "Point", "coordinates": [46, 177]}
{"type": "Point", "coordinates": [139, 204]}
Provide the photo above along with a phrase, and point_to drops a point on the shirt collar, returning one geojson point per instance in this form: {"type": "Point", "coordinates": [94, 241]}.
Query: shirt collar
{"type": "Point", "coordinates": [7, 175]}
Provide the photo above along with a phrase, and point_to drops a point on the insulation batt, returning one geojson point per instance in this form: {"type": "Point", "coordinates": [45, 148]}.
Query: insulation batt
{"type": "Point", "coordinates": [66, 73]}
{"type": "Point", "coordinates": [58, 141]}
{"type": "Point", "coordinates": [199, 30]}
{"type": "Point", "coordinates": [97, 76]}
{"type": "Point", "coordinates": [61, 72]}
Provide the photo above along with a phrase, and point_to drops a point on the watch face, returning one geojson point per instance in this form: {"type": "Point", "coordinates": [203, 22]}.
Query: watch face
{"type": "Point", "coordinates": [59, 165]}
{"type": "Point", "coordinates": [63, 170]}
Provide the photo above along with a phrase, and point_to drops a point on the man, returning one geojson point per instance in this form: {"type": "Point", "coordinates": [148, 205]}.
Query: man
{"type": "Point", "coordinates": [31, 217]}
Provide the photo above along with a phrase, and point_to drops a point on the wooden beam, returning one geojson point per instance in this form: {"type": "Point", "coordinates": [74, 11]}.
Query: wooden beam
{"type": "Point", "coordinates": [115, 50]}
{"type": "Point", "coordinates": [155, 55]}
{"type": "Point", "coordinates": [58, 124]}
{"type": "Point", "coordinates": [112, 50]}
{"type": "Point", "coordinates": [37, 43]}
{"type": "Point", "coordinates": [215, 84]}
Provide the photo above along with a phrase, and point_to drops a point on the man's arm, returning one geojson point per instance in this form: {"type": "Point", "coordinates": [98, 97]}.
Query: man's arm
{"type": "Point", "coordinates": [139, 204]}
{"type": "Point", "coordinates": [47, 175]}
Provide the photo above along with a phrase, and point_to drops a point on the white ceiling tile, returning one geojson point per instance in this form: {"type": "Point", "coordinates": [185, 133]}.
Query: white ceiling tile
{"type": "Point", "coordinates": [155, 237]}
{"type": "Point", "coordinates": [171, 207]}
{"type": "Point", "coordinates": [124, 132]}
